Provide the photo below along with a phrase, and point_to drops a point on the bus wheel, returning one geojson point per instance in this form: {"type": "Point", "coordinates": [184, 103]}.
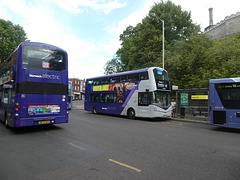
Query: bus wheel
{"type": "Point", "coordinates": [94, 111]}
{"type": "Point", "coordinates": [6, 121]}
{"type": "Point", "coordinates": [131, 113]}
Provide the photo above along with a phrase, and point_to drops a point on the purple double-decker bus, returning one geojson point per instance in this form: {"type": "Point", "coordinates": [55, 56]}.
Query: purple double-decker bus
{"type": "Point", "coordinates": [34, 86]}
{"type": "Point", "coordinates": [137, 93]}
{"type": "Point", "coordinates": [224, 102]}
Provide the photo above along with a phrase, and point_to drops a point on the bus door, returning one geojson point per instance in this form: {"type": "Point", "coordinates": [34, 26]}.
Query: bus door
{"type": "Point", "coordinates": [144, 100]}
{"type": "Point", "coordinates": [6, 99]}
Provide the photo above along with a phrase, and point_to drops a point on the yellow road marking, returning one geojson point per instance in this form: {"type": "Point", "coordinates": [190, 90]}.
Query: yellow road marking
{"type": "Point", "coordinates": [77, 146]}
{"type": "Point", "coordinates": [125, 165]}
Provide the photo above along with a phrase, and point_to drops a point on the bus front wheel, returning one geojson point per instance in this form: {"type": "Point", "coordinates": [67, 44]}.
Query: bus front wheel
{"type": "Point", "coordinates": [94, 111]}
{"type": "Point", "coordinates": [131, 113]}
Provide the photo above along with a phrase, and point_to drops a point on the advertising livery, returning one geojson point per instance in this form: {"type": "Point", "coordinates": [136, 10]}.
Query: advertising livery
{"type": "Point", "coordinates": [140, 93]}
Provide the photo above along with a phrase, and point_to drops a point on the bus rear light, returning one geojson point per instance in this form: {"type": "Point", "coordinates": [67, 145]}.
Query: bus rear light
{"type": "Point", "coordinates": [16, 114]}
{"type": "Point", "coordinates": [67, 107]}
{"type": "Point", "coordinates": [67, 103]}
{"type": "Point", "coordinates": [17, 104]}
{"type": "Point", "coordinates": [16, 109]}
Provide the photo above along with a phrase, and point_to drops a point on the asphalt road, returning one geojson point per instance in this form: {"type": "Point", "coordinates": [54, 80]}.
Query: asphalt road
{"type": "Point", "coordinates": [109, 147]}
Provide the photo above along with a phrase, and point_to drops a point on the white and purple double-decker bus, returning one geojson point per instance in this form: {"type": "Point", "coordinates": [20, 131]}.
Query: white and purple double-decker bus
{"type": "Point", "coordinates": [34, 86]}
{"type": "Point", "coordinates": [137, 93]}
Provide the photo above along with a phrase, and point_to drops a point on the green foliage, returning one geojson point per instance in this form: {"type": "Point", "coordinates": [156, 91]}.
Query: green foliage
{"type": "Point", "coordinates": [142, 45]}
{"type": "Point", "coordinates": [10, 37]}
{"type": "Point", "coordinates": [194, 62]}
{"type": "Point", "coordinates": [191, 58]}
{"type": "Point", "coordinates": [113, 66]}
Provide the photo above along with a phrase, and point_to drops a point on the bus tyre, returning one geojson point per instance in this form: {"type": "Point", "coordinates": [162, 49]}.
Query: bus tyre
{"type": "Point", "coordinates": [94, 111]}
{"type": "Point", "coordinates": [6, 121]}
{"type": "Point", "coordinates": [131, 113]}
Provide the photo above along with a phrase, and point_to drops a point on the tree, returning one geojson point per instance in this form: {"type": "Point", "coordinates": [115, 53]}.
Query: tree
{"type": "Point", "coordinates": [10, 37]}
{"type": "Point", "coordinates": [142, 45]}
{"type": "Point", "coordinates": [113, 66]}
{"type": "Point", "coordinates": [187, 61]}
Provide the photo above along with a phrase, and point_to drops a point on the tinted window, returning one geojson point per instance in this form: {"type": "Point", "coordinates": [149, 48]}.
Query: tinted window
{"type": "Point", "coordinates": [133, 77]}
{"type": "Point", "coordinates": [144, 76]}
{"type": "Point", "coordinates": [145, 98]}
{"type": "Point", "coordinates": [105, 80]}
{"type": "Point", "coordinates": [43, 58]}
{"type": "Point", "coordinates": [90, 82]}
{"type": "Point", "coordinates": [96, 81]}
{"type": "Point", "coordinates": [41, 88]}
{"type": "Point", "coordinates": [115, 79]}
{"type": "Point", "coordinates": [229, 94]}
{"type": "Point", "coordinates": [124, 78]}
{"type": "Point", "coordinates": [160, 74]}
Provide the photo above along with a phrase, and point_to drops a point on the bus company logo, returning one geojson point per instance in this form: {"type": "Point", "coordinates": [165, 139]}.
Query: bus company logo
{"type": "Point", "coordinates": [44, 76]}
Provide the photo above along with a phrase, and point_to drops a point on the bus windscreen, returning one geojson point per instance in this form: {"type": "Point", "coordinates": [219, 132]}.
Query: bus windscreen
{"type": "Point", "coordinates": [43, 58]}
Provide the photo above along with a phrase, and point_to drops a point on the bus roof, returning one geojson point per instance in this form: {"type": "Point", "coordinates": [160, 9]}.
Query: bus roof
{"type": "Point", "coordinates": [35, 44]}
{"type": "Point", "coordinates": [225, 80]}
{"type": "Point", "coordinates": [41, 45]}
{"type": "Point", "coordinates": [125, 73]}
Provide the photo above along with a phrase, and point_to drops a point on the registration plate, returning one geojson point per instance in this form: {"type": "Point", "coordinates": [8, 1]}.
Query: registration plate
{"type": "Point", "coordinates": [44, 122]}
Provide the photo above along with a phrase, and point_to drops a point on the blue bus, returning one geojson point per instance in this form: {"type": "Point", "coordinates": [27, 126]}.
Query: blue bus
{"type": "Point", "coordinates": [34, 86]}
{"type": "Point", "coordinates": [70, 94]}
{"type": "Point", "coordinates": [137, 93]}
{"type": "Point", "coordinates": [224, 102]}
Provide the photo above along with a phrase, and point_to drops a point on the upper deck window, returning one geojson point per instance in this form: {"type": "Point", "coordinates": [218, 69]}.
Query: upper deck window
{"type": "Point", "coordinates": [160, 75]}
{"type": "Point", "coordinates": [43, 58]}
{"type": "Point", "coordinates": [161, 78]}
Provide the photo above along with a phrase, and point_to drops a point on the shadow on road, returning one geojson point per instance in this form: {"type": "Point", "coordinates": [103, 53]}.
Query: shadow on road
{"type": "Point", "coordinates": [34, 129]}
{"type": "Point", "coordinates": [227, 130]}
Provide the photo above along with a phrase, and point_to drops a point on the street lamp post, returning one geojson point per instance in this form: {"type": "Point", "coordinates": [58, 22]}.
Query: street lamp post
{"type": "Point", "coordinates": [163, 44]}
{"type": "Point", "coordinates": [154, 15]}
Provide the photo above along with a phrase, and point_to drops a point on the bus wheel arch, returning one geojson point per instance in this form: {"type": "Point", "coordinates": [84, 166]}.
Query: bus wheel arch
{"type": "Point", "coordinates": [95, 110]}
{"type": "Point", "coordinates": [131, 113]}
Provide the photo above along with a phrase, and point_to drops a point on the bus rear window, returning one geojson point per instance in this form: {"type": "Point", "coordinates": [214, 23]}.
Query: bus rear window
{"type": "Point", "coordinates": [43, 58]}
{"type": "Point", "coordinates": [229, 94]}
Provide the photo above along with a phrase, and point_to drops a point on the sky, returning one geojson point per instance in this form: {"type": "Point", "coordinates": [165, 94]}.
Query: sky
{"type": "Point", "coordinates": [89, 30]}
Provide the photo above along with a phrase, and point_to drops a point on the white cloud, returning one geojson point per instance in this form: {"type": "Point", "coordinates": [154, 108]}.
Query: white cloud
{"type": "Point", "coordinates": [42, 27]}
{"type": "Point", "coordinates": [3, 13]}
{"type": "Point", "coordinates": [132, 20]}
{"type": "Point", "coordinates": [76, 5]}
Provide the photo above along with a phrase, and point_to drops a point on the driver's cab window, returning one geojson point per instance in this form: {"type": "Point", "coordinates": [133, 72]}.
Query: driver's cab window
{"type": "Point", "coordinates": [6, 96]}
{"type": "Point", "coordinates": [145, 98]}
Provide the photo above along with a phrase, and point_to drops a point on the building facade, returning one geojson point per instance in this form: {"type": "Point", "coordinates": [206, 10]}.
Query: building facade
{"type": "Point", "coordinates": [230, 25]}
{"type": "Point", "coordinates": [78, 88]}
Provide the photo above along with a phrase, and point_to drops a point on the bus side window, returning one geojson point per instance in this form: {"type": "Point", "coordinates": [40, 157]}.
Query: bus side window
{"type": "Point", "coordinates": [105, 80]}
{"type": "Point", "coordinates": [115, 79]}
{"type": "Point", "coordinates": [133, 77]}
{"type": "Point", "coordinates": [144, 76]}
{"type": "Point", "coordinates": [96, 81]}
{"type": "Point", "coordinates": [90, 82]}
{"type": "Point", "coordinates": [124, 78]}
